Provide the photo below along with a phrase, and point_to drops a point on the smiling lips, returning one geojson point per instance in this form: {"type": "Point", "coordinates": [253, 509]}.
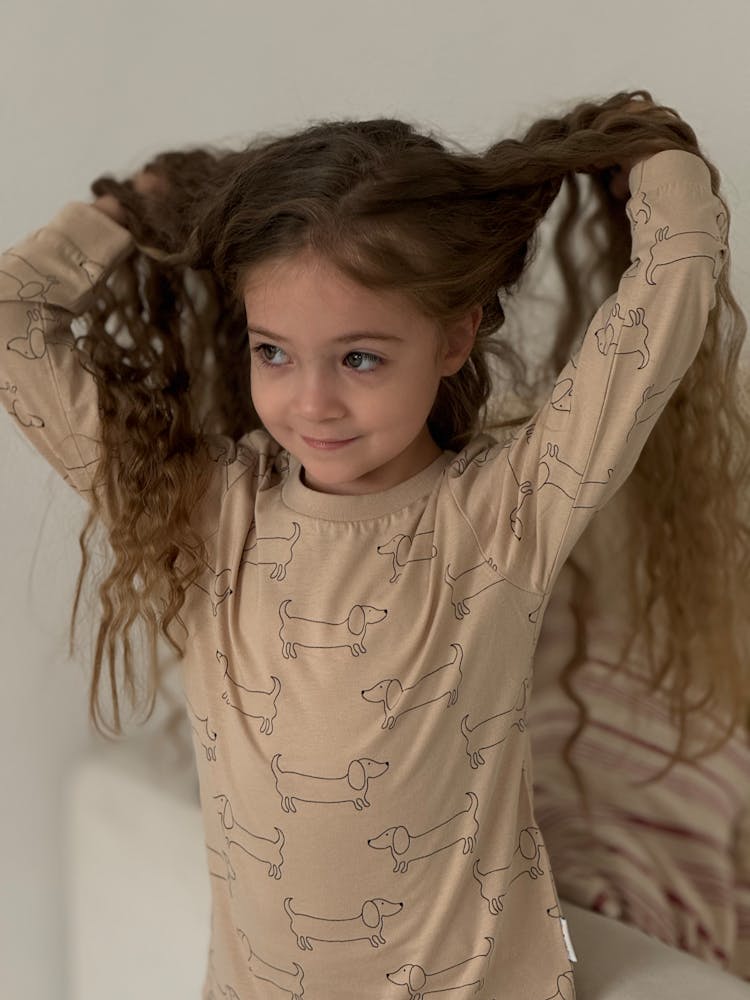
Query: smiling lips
{"type": "Point", "coordinates": [326, 445]}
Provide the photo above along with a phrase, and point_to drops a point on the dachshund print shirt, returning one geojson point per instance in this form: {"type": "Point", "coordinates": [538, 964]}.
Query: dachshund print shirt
{"type": "Point", "coordinates": [358, 669]}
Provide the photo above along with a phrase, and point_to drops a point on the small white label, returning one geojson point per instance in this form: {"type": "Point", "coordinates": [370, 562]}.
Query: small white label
{"type": "Point", "coordinates": [568, 942]}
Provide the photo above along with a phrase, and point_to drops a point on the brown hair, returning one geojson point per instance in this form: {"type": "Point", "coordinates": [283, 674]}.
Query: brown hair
{"type": "Point", "coordinates": [392, 208]}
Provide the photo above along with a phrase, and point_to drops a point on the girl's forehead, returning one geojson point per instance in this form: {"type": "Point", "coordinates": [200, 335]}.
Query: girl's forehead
{"type": "Point", "coordinates": [304, 267]}
{"type": "Point", "coordinates": [309, 284]}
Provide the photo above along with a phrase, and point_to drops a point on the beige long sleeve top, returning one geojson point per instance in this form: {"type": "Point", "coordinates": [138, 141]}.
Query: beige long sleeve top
{"type": "Point", "coordinates": [358, 669]}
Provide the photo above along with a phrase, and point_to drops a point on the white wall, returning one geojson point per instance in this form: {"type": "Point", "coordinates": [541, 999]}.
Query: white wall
{"type": "Point", "coordinates": [95, 85]}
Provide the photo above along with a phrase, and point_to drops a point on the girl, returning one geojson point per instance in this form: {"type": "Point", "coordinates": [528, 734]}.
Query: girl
{"type": "Point", "coordinates": [302, 503]}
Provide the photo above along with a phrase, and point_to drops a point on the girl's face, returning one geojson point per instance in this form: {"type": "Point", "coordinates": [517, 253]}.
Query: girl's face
{"type": "Point", "coordinates": [343, 377]}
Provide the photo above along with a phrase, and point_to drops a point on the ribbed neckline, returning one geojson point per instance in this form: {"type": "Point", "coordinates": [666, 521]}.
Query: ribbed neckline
{"type": "Point", "coordinates": [338, 507]}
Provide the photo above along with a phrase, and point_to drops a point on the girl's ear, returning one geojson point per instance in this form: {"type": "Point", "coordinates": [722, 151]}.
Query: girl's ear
{"type": "Point", "coordinates": [459, 340]}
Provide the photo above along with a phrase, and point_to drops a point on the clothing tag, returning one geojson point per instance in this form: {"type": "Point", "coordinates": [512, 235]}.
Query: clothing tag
{"type": "Point", "coordinates": [568, 942]}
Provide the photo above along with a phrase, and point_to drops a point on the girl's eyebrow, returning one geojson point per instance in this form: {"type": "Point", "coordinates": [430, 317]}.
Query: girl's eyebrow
{"type": "Point", "coordinates": [345, 338]}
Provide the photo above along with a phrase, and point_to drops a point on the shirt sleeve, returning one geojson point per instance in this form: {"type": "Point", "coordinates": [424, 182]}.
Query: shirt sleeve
{"type": "Point", "coordinates": [48, 280]}
{"type": "Point", "coordinates": [45, 282]}
{"type": "Point", "coordinates": [571, 457]}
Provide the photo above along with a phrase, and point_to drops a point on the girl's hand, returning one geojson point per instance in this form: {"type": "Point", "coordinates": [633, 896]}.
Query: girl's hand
{"type": "Point", "coordinates": [616, 176]}
{"type": "Point", "coordinates": [618, 179]}
{"type": "Point", "coordinates": [145, 183]}
{"type": "Point", "coordinates": [109, 205]}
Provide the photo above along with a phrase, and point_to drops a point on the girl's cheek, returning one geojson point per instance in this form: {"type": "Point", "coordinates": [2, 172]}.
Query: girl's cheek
{"type": "Point", "coordinates": [269, 393]}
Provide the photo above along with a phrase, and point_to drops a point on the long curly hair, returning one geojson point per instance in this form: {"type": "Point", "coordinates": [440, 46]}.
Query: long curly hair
{"type": "Point", "coordinates": [393, 208]}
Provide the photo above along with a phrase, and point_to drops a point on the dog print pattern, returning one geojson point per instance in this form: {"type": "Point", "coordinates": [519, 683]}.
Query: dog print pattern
{"type": "Point", "coordinates": [407, 549]}
{"type": "Point", "coordinates": [254, 704]}
{"type": "Point", "coordinates": [39, 333]}
{"type": "Point", "coordinates": [350, 787]}
{"type": "Point", "coordinates": [652, 403]}
{"type": "Point", "coordinates": [29, 284]}
{"type": "Point", "coordinates": [367, 925]}
{"type": "Point", "coordinates": [213, 989]}
{"type": "Point", "coordinates": [638, 209]}
{"type": "Point", "coordinates": [215, 584]}
{"type": "Point", "coordinates": [288, 982]}
{"type": "Point", "coordinates": [220, 867]}
{"type": "Point", "coordinates": [357, 670]}
{"type": "Point", "coordinates": [526, 861]}
{"type": "Point", "coordinates": [348, 633]}
{"type": "Point", "coordinates": [405, 847]}
{"type": "Point", "coordinates": [495, 729]}
{"type": "Point", "coordinates": [274, 551]}
{"type": "Point", "coordinates": [429, 688]}
{"type": "Point", "coordinates": [17, 409]}
{"type": "Point", "coordinates": [469, 973]}
{"type": "Point", "coordinates": [204, 734]}
{"type": "Point", "coordinates": [671, 248]}
{"type": "Point", "coordinates": [236, 459]}
{"type": "Point", "coordinates": [632, 335]}
{"type": "Point", "coordinates": [469, 583]}
{"type": "Point", "coordinates": [268, 851]}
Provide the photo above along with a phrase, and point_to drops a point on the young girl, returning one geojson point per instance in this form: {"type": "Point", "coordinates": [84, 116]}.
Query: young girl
{"type": "Point", "coordinates": [357, 585]}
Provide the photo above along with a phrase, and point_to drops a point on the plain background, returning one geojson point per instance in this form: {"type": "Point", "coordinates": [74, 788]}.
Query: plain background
{"type": "Point", "coordinates": [89, 87]}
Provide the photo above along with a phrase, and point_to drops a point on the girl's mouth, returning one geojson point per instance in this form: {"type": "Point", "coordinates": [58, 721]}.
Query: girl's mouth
{"type": "Point", "coordinates": [326, 444]}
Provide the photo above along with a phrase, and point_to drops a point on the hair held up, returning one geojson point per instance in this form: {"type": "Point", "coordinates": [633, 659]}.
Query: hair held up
{"type": "Point", "coordinates": [398, 209]}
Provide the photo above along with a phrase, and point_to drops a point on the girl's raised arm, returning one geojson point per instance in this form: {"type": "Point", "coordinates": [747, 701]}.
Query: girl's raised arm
{"type": "Point", "coordinates": [583, 442]}
{"type": "Point", "coordinates": [46, 281]}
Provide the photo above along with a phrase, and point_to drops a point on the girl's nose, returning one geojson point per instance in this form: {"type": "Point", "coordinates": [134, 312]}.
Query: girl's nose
{"type": "Point", "coordinates": [316, 396]}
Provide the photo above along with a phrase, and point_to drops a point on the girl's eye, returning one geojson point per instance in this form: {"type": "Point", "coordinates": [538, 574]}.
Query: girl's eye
{"type": "Point", "coordinates": [270, 355]}
{"type": "Point", "coordinates": [363, 361]}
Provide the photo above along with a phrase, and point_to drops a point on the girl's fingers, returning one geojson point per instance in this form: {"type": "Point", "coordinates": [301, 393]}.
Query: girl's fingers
{"type": "Point", "coordinates": [618, 181]}
{"type": "Point", "coordinates": [148, 183]}
{"type": "Point", "coordinates": [109, 205]}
